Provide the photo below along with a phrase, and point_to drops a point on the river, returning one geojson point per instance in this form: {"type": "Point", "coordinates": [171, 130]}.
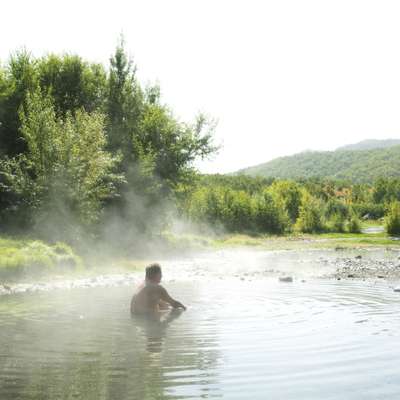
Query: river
{"type": "Point", "coordinates": [244, 336]}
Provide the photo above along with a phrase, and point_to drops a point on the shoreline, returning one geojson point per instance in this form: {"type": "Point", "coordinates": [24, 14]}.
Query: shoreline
{"type": "Point", "coordinates": [332, 263]}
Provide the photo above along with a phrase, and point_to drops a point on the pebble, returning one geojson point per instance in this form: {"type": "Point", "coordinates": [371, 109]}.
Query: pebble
{"type": "Point", "coordinates": [285, 279]}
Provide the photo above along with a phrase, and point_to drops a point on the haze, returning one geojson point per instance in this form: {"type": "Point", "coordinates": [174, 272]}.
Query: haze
{"type": "Point", "coordinates": [280, 76]}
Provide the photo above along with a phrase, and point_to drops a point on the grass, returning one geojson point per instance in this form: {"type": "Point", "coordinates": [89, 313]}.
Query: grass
{"type": "Point", "coordinates": [21, 258]}
{"type": "Point", "coordinates": [369, 223]}
{"type": "Point", "coordinates": [286, 242]}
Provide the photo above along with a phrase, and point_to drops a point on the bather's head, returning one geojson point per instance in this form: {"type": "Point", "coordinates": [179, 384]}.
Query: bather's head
{"type": "Point", "coordinates": [153, 273]}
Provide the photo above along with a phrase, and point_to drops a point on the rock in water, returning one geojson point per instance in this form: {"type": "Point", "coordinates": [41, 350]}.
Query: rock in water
{"type": "Point", "coordinates": [397, 289]}
{"type": "Point", "coordinates": [358, 257]}
{"type": "Point", "coordinates": [285, 279]}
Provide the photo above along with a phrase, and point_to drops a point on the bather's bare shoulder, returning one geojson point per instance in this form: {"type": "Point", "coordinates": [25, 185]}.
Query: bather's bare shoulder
{"type": "Point", "coordinates": [161, 289]}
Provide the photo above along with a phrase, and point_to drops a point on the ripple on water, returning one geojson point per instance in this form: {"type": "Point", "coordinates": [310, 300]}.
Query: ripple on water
{"type": "Point", "coordinates": [238, 339]}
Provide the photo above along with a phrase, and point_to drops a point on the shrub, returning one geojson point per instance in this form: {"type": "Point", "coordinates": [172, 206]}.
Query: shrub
{"type": "Point", "coordinates": [269, 216]}
{"type": "Point", "coordinates": [336, 208]}
{"type": "Point", "coordinates": [374, 211]}
{"type": "Point", "coordinates": [287, 195]}
{"type": "Point", "coordinates": [336, 223]}
{"type": "Point", "coordinates": [392, 219]}
{"type": "Point", "coordinates": [354, 224]}
{"type": "Point", "coordinates": [310, 216]}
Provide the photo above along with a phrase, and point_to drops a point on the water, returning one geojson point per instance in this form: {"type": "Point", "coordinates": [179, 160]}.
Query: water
{"type": "Point", "coordinates": [239, 339]}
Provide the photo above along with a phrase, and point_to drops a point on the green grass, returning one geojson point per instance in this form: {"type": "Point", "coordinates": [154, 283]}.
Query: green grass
{"type": "Point", "coordinates": [288, 242]}
{"type": "Point", "coordinates": [21, 258]}
{"type": "Point", "coordinates": [369, 223]}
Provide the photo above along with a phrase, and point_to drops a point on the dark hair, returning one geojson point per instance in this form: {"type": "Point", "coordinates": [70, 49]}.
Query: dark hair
{"type": "Point", "coordinates": [152, 270]}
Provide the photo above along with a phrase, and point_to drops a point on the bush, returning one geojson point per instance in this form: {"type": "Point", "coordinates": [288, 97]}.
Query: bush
{"type": "Point", "coordinates": [374, 211]}
{"type": "Point", "coordinates": [336, 223]}
{"type": "Point", "coordinates": [237, 210]}
{"type": "Point", "coordinates": [354, 224]}
{"type": "Point", "coordinates": [287, 195]}
{"type": "Point", "coordinates": [269, 216]}
{"type": "Point", "coordinates": [392, 219]}
{"type": "Point", "coordinates": [238, 213]}
{"type": "Point", "coordinates": [336, 208]}
{"type": "Point", "coordinates": [310, 216]}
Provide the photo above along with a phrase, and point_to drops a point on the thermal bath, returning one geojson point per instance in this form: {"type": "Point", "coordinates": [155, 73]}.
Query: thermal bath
{"type": "Point", "coordinates": [245, 335]}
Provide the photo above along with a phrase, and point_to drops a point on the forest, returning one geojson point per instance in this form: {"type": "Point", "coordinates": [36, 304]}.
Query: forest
{"type": "Point", "coordinates": [88, 151]}
{"type": "Point", "coordinates": [356, 163]}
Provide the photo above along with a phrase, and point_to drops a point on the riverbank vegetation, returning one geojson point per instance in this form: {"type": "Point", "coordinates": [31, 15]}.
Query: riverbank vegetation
{"type": "Point", "coordinates": [244, 204]}
{"type": "Point", "coordinates": [88, 152]}
{"type": "Point", "coordinates": [91, 157]}
{"type": "Point", "coordinates": [26, 258]}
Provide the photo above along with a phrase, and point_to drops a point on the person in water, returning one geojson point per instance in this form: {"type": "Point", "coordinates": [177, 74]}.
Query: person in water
{"type": "Point", "coordinates": [151, 297]}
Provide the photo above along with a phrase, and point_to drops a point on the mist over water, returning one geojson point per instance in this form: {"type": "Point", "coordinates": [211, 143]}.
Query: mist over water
{"type": "Point", "coordinates": [244, 335]}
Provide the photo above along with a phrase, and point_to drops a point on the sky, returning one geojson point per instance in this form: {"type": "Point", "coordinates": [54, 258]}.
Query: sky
{"type": "Point", "coordinates": [279, 76]}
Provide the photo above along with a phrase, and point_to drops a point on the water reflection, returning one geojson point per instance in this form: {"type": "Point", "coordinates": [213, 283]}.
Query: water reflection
{"type": "Point", "coordinates": [154, 327]}
{"type": "Point", "coordinates": [83, 345]}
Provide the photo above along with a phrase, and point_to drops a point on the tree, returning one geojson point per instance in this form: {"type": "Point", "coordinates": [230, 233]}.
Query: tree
{"type": "Point", "coordinates": [74, 84]}
{"type": "Point", "coordinates": [124, 107]}
{"type": "Point", "coordinates": [71, 168]}
{"type": "Point", "coordinates": [288, 195]}
{"type": "Point", "coordinates": [310, 215]}
{"type": "Point", "coordinates": [17, 80]}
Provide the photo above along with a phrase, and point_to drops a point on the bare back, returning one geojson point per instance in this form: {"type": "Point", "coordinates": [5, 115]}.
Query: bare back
{"type": "Point", "coordinates": [148, 299]}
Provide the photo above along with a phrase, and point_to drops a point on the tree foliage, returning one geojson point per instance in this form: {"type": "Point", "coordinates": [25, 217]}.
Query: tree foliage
{"type": "Point", "coordinates": [79, 142]}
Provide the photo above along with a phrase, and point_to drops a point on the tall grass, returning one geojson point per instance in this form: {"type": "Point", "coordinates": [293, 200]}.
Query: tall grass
{"type": "Point", "coordinates": [33, 258]}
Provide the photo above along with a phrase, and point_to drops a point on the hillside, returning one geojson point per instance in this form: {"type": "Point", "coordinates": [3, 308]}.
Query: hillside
{"type": "Point", "coordinates": [370, 144]}
{"type": "Point", "coordinates": [354, 165]}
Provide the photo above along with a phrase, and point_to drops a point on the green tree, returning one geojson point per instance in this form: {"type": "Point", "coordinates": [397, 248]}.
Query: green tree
{"type": "Point", "coordinates": [18, 78]}
{"type": "Point", "coordinates": [288, 196]}
{"type": "Point", "coordinates": [71, 167]}
{"type": "Point", "coordinates": [270, 217]}
{"type": "Point", "coordinates": [73, 83]}
{"type": "Point", "coordinates": [310, 215]}
{"type": "Point", "coordinates": [124, 107]}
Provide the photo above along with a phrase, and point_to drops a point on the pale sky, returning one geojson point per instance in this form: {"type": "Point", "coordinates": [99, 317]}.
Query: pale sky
{"type": "Point", "coordinates": [280, 76]}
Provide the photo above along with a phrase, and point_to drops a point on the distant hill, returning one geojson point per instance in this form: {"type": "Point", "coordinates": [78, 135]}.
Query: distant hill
{"type": "Point", "coordinates": [344, 163]}
{"type": "Point", "coordinates": [370, 144]}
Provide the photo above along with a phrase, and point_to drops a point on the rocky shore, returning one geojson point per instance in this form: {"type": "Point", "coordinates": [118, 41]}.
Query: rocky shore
{"type": "Point", "coordinates": [67, 284]}
{"type": "Point", "coordinates": [363, 268]}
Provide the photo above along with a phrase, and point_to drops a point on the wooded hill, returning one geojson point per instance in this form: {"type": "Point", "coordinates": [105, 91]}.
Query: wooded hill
{"type": "Point", "coordinates": [343, 163]}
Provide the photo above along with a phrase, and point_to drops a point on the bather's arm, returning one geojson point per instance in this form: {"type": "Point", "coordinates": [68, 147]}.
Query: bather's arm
{"type": "Point", "coordinates": [163, 305]}
{"type": "Point", "coordinates": [168, 299]}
